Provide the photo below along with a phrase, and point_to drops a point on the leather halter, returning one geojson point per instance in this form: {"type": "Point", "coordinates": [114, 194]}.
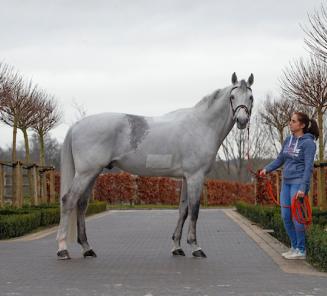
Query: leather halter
{"type": "Point", "coordinates": [248, 112]}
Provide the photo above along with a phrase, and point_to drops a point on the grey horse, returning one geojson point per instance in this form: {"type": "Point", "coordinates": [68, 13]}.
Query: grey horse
{"type": "Point", "coordinates": [182, 144]}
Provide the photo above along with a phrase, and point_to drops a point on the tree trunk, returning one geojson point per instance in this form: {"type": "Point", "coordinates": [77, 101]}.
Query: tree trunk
{"type": "Point", "coordinates": [43, 193]}
{"type": "Point", "coordinates": [27, 161]}
{"type": "Point", "coordinates": [27, 146]}
{"type": "Point", "coordinates": [321, 172]}
{"type": "Point", "coordinates": [14, 142]}
{"type": "Point", "coordinates": [14, 159]}
{"type": "Point", "coordinates": [42, 150]}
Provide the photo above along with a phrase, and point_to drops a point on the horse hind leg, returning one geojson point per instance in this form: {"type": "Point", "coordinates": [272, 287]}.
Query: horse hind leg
{"type": "Point", "coordinates": [81, 229]}
{"type": "Point", "coordinates": [68, 204]}
{"type": "Point", "coordinates": [183, 211]}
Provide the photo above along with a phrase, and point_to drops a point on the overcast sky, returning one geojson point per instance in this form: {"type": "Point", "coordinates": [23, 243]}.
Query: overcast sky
{"type": "Point", "coordinates": [148, 57]}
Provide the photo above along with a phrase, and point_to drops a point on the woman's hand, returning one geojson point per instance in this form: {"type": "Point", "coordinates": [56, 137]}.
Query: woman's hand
{"type": "Point", "coordinates": [262, 173]}
{"type": "Point", "coordinates": [300, 193]}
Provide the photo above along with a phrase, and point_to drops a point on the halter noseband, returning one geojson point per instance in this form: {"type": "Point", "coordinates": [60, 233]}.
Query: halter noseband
{"type": "Point", "coordinates": [248, 112]}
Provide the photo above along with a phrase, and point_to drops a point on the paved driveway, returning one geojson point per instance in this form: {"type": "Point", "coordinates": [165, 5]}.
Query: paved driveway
{"type": "Point", "coordinates": [133, 249]}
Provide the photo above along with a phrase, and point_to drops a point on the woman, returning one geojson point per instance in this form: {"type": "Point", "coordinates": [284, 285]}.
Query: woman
{"type": "Point", "coordinates": [297, 155]}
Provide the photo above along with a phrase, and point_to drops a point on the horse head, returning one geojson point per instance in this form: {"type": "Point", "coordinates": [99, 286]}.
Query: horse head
{"type": "Point", "coordinates": [241, 100]}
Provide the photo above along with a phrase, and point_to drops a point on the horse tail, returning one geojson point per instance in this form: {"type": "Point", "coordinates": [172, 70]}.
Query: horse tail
{"type": "Point", "coordinates": [67, 168]}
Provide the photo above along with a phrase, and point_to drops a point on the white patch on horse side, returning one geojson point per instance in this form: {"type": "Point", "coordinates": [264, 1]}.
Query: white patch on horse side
{"type": "Point", "coordinates": [159, 161]}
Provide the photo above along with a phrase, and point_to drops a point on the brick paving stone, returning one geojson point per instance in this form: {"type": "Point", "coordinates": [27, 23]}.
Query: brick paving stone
{"type": "Point", "coordinates": [133, 249]}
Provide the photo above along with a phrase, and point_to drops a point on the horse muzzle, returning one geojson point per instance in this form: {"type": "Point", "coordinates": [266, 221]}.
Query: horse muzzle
{"type": "Point", "coordinates": [242, 119]}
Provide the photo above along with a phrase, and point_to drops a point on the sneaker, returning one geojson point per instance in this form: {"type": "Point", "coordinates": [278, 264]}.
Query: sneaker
{"type": "Point", "coordinates": [289, 252]}
{"type": "Point", "coordinates": [297, 255]}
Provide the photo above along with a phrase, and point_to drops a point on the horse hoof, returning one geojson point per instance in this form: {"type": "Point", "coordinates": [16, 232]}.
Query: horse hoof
{"type": "Point", "coordinates": [199, 254]}
{"type": "Point", "coordinates": [178, 252]}
{"type": "Point", "coordinates": [63, 255]}
{"type": "Point", "coordinates": [89, 253]}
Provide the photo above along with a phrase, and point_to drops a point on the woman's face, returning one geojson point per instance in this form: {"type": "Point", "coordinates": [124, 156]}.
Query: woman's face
{"type": "Point", "coordinates": [295, 125]}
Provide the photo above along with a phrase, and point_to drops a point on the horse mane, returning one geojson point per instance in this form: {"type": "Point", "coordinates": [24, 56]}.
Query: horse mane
{"type": "Point", "coordinates": [209, 99]}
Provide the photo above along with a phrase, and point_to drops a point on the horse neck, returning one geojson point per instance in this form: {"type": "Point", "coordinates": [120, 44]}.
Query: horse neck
{"type": "Point", "coordinates": [217, 114]}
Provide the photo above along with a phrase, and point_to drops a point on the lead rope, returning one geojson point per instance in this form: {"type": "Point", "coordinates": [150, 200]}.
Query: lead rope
{"type": "Point", "coordinates": [300, 207]}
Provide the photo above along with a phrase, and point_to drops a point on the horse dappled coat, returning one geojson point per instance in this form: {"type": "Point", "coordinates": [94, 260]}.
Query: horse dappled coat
{"type": "Point", "coordinates": [183, 144]}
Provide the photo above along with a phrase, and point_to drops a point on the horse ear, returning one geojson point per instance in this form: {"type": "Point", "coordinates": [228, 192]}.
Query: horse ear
{"type": "Point", "coordinates": [234, 78]}
{"type": "Point", "coordinates": [251, 79]}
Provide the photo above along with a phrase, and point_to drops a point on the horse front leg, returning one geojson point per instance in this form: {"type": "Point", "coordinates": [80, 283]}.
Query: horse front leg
{"type": "Point", "coordinates": [194, 189]}
{"type": "Point", "coordinates": [183, 211]}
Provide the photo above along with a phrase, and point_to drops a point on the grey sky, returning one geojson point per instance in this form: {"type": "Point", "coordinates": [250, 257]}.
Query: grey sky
{"type": "Point", "coordinates": [148, 57]}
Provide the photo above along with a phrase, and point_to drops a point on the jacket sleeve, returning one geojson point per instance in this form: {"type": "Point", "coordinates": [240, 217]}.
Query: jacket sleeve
{"type": "Point", "coordinates": [278, 162]}
{"type": "Point", "coordinates": [309, 155]}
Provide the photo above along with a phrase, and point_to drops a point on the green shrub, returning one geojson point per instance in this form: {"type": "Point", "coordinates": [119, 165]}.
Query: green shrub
{"type": "Point", "coordinates": [319, 217]}
{"type": "Point", "coordinates": [96, 207]}
{"type": "Point", "coordinates": [317, 246]}
{"type": "Point", "coordinates": [13, 211]}
{"type": "Point", "coordinates": [316, 236]}
{"type": "Point", "coordinates": [258, 214]}
{"type": "Point", "coordinates": [18, 224]}
{"type": "Point", "coordinates": [279, 229]}
{"type": "Point", "coordinates": [49, 216]}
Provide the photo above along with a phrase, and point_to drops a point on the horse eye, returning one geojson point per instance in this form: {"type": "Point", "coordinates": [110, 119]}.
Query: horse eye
{"type": "Point", "coordinates": [251, 98]}
{"type": "Point", "coordinates": [232, 97]}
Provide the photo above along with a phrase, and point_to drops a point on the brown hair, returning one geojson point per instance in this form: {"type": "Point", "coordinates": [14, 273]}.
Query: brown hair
{"type": "Point", "coordinates": [310, 125]}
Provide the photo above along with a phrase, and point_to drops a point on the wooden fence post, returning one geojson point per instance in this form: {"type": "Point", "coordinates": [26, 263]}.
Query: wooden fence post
{"type": "Point", "coordinates": [278, 186]}
{"type": "Point", "coordinates": [19, 199]}
{"type": "Point", "coordinates": [311, 192]}
{"type": "Point", "coordinates": [35, 196]}
{"type": "Point", "coordinates": [13, 185]}
{"type": "Point", "coordinates": [52, 186]}
{"type": "Point", "coordinates": [2, 185]}
{"type": "Point", "coordinates": [38, 185]}
{"type": "Point", "coordinates": [43, 186]}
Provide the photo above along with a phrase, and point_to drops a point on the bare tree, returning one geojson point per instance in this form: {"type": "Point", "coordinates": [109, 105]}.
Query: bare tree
{"type": "Point", "coordinates": [3, 96]}
{"type": "Point", "coordinates": [233, 153]}
{"type": "Point", "coordinates": [13, 104]}
{"type": "Point", "coordinates": [3, 92]}
{"type": "Point", "coordinates": [276, 115]}
{"type": "Point", "coordinates": [28, 115]}
{"type": "Point", "coordinates": [49, 116]}
{"type": "Point", "coordinates": [316, 38]}
{"type": "Point", "coordinates": [306, 82]}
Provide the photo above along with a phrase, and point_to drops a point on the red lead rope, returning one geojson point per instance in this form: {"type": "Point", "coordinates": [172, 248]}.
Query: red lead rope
{"type": "Point", "coordinates": [300, 207]}
{"type": "Point", "coordinates": [301, 210]}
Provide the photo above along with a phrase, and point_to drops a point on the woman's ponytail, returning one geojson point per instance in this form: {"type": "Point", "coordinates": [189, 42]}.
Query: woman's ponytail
{"type": "Point", "coordinates": [313, 128]}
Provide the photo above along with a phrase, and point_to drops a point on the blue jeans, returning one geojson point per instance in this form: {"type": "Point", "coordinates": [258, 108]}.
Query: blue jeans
{"type": "Point", "coordinates": [295, 230]}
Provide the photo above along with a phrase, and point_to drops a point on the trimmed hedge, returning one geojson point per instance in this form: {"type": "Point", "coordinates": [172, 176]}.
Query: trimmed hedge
{"type": "Point", "coordinates": [266, 216]}
{"type": "Point", "coordinates": [319, 217]}
{"type": "Point", "coordinates": [16, 222]}
{"type": "Point", "coordinates": [317, 247]}
{"type": "Point", "coordinates": [316, 236]}
{"type": "Point", "coordinates": [96, 207]}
